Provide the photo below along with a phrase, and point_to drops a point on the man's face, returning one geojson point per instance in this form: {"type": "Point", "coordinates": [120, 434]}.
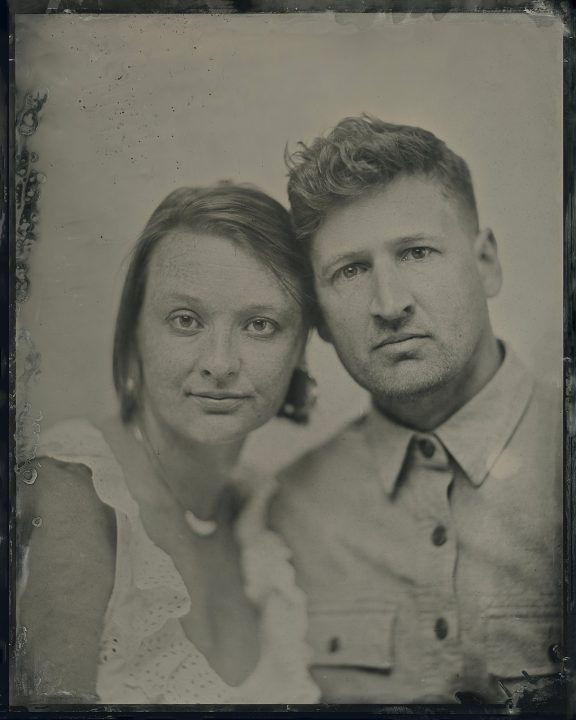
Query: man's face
{"type": "Point", "coordinates": [402, 280]}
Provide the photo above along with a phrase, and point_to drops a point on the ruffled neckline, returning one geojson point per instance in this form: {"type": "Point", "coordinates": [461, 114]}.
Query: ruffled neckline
{"type": "Point", "coordinates": [162, 596]}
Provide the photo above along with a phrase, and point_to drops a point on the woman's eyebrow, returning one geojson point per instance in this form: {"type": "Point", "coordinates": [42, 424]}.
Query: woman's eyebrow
{"type": "Point", "coordinates": [170, 296]}
{"type": "Point", "coordinates": [281, 309]}
{"type": "Point", "coordinates": [253, 308]}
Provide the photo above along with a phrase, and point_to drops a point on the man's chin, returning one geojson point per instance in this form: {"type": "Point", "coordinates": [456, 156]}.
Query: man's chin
{"type": "Point", "coordinates": [407, 385]}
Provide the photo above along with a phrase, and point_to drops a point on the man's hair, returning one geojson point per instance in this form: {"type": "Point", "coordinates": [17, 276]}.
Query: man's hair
{"type": "Point", "coordinates": [240, 213]}
{"type": "Point", "coordinates": [362, 154]}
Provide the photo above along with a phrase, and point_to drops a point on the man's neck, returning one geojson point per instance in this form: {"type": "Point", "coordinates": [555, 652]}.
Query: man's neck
{"type": "Point", "coordinates": [426, 412]}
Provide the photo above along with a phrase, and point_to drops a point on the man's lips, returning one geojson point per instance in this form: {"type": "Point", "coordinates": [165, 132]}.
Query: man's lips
{"type": "Point", "coordinates": [398, 339]}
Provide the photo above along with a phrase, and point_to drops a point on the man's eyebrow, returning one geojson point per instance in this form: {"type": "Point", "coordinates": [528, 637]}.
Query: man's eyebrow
{"type": "Point", "coordinates": [356, 255]}
{"type": "Point", "coordinates": [416, 237]}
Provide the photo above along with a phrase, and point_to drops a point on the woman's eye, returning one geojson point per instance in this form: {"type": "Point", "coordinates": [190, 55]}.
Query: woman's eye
{"type": "Point", "coordinates": [417, 253]}
{"type": "Point", "coordinates": [261, 327]}
{"type": "Point", "coordinates": [184, 321]}
{"type": "Point", "coordinates": [349, 272]}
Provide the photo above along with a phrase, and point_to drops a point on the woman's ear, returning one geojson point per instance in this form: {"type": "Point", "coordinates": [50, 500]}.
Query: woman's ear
{"type": "Point", "coordinates": [487, 262]}
{"type": "Point", "coordinates": [134, 379]}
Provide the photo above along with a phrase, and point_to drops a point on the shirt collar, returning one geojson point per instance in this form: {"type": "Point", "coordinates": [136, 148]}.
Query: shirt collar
{"type": "Point", "coordinates": [475, 435]}
{"type": "Point", "coordinates": [389, 443]}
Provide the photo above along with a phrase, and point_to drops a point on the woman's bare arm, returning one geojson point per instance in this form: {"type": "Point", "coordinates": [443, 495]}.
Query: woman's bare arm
{"type": "Point", "coordinates": [70, 576]}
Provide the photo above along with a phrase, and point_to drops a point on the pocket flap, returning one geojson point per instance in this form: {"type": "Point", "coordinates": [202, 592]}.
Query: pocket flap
{"type": "Point", "coordinates": [353, 638]}
{"type": "Point", "coordinates": [519, 642]}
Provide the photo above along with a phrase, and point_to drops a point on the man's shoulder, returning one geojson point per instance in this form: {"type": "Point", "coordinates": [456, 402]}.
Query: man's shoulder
{"type": "Point", "coordinates": [548, 391]}
{"type": "Point", "coordinates": [340, 448]}
{"type": "Point", "coordinates": [308, 483]}
{"type": "Point", "coordinates": [545, 408]}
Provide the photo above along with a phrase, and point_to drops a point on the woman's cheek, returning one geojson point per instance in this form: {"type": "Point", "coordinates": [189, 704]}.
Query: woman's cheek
{"type": "Point", "coordinates": [271, 368]}
{"type": "Point", "coordinates": [166, 362]}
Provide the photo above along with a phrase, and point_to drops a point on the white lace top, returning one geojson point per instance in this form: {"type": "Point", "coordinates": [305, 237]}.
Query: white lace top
{"type": "Point", "coordinates": [146, 656]}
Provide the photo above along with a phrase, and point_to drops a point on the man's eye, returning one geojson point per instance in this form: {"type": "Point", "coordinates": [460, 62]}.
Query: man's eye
{"type": "Point", "coordinates": [184, 321]}
{"type": "Point", "coordinates": [349, 272]}
{"type": "Point", "coordinates": [262, 327]}
{"type": "Point", "coordinates": [417, 253]}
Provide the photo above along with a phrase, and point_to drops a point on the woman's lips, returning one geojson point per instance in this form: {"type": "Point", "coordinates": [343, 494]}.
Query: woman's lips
{"type": "Point", "coordinates": [216, 402]}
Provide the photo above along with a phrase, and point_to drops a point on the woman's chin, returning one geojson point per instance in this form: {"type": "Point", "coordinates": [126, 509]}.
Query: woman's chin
{"type": "Point", "coordinates": [222, 429]}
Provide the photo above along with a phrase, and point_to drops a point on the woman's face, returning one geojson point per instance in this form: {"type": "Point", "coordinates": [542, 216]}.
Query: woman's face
{"type": "Point", "coordinates": [218, 337]}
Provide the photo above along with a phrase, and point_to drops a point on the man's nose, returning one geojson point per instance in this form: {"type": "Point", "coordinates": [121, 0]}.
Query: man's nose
{"type": "Point", "coordinates": [219, 358]}
{"type": "Point", "coordinates": [392, 299]}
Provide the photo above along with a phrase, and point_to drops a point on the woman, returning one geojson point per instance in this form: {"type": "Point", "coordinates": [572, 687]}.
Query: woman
{"type": "Point", "coordinates": [151, 575]}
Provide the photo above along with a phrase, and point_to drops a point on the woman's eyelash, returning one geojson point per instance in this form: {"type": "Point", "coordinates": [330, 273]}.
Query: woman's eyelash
{"type": "Point", "coordinates": [182, 320]}
{"type": "Point", "coordinates": [263, 326]}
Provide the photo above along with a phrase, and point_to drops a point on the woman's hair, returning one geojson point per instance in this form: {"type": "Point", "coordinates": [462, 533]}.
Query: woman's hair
{"type": "Point", "coordinates": [238, 212]}
{"type": "Point", "coordinates": [362, 154]}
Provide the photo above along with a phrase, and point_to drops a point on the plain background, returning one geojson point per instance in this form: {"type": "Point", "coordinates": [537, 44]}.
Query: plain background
{"type": "Point", "coordinates": [139, 105]}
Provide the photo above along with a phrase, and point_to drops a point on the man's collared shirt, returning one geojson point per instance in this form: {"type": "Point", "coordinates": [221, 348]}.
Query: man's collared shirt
{"type": "Point", "coordinates": [433, 561]}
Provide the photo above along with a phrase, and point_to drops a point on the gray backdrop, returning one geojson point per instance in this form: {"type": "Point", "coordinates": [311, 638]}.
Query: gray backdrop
{"type": "Point", "coordinates": [139, 105]}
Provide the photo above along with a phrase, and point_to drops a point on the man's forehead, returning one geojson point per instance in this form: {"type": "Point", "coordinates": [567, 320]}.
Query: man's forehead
{"type": "Point", "coordinates": [409, 205]}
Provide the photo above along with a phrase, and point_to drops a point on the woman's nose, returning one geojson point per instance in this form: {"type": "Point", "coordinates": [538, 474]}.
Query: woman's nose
{"type": "Point", "coordinates": [219, 358]}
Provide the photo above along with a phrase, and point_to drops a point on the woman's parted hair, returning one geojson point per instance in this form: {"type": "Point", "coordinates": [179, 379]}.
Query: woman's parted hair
{"type": "Point", "coordinates": [364, 153]}
{"type": "Point", "coordinates": [241, 213]}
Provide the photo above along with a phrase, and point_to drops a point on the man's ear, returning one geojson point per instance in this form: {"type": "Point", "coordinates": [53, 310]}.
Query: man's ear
{"type": "Point", "coordinates": [487, 261]}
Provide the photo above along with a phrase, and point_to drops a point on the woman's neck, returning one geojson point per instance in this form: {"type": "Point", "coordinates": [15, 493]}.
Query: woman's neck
{"type": "Point", "coordinates": [195, 473]}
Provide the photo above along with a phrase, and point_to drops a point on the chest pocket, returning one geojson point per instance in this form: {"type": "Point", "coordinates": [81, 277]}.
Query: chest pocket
{"type": "Point", "coordinates": [353, 638]}
{"type": "Point", "coordinates": [520, 638]}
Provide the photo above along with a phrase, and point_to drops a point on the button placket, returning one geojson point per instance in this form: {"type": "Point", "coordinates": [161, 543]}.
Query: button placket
{"type": "Point", "coordinates": [426, 447]}
{"type": "Point", "coordinates": [441, 650]}
{"type": "Point", "coordinates": [433, 473]}
{"type": "Point", "coordinates": [439, 535]}
{"type": "Point", "coordinates": [441, 628]}
{"type": "Point", "coordinates": [431, 476]}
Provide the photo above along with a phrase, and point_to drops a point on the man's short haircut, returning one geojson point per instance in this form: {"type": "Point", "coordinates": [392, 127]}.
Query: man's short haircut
{"type": "Point", "coordinates": [362, 154]}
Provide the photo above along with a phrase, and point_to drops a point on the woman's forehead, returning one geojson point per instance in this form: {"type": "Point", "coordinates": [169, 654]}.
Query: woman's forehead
{"type": "Point", "coordinates": [185, 261]}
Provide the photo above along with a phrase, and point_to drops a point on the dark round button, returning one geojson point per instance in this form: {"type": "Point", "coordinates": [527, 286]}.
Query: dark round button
{"type": "Point", "coordinates": [426, 447]}
{"type": "Point", "coordinates": [439, 535]}
{"type": "Point", "coordinates": [441, 628]}
{"type": "Point", "coordinates": [555, 653]}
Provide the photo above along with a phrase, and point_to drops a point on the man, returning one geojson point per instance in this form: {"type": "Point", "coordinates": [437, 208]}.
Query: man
{"type": "Point", "coordinates": [427, 535]}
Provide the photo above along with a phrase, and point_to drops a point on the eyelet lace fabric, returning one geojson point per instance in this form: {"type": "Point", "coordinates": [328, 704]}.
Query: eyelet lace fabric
{"type": "Point", "coordinates": [145, 655]}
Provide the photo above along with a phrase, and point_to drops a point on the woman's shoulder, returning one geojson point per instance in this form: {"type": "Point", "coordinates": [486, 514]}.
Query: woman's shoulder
{"type": "Point", "coordinates": [66, 550]}
{"type": "Point", "coordinates": [72, 440]}
{"type": "Point", "coordinates": [76, 450]}
{"type": "Point", "coordinates": [63, 503]}
{"type": "Point", "coordinates": [64, 495]}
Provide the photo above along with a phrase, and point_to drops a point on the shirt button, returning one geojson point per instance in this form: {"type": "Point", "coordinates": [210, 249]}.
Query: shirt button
{"type": "Point", "coordinates": [555, 653]}
{"type": "Point", "coordinates": [441, 628]}
{"type": "Point", "coordinates": [334, 645]}
{"type": "Point", "coordinates": [439, 535]}
{"type": "Point", "coordinates": [426, 447]}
